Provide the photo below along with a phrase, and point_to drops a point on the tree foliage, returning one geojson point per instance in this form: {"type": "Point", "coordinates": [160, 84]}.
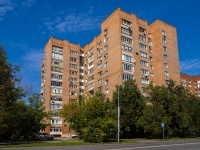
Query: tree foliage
{"type": "Point", "coordinates": [173, 106]}
{"type": "Point", "coordinates": [131, 105]}
{"type": "Point", "coordinates": [17, 118]}
{"type": "Point", "coordinates": [92, 118]}
{"type": "Point", "coordinates": [9, 94]}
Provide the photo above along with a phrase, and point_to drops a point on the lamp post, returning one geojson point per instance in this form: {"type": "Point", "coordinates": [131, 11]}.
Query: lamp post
{"type": "Point", "coordinates": [118, 120]}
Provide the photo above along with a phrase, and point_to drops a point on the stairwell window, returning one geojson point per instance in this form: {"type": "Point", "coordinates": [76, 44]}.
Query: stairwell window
{"type": "Point", "coordinates": [165, 57]}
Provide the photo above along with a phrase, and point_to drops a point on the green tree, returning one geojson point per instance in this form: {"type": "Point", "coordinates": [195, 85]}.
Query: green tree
{"type": "Point", "coordinates": [173, 106]}
{"type": "Point", "coordinates": [29, 117]}
{"type": "Point", "coordinates": [9, 94]}
{"type": "Point", "coordinates": [91, 118]}
{"type": "Point", "coordinates": [132, 104]}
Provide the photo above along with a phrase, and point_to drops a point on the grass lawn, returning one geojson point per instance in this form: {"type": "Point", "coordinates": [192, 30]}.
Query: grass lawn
{"type": "Point", "coordinates": [43, 144]}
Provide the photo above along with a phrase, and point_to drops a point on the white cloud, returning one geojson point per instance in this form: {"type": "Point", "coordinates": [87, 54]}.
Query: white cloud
{"type": "Point", "coordinates": [74, 22]}
{"type": "Point", "coordinates": [190, 66]}
{"type": "Point", "coordinates": [5, 6]}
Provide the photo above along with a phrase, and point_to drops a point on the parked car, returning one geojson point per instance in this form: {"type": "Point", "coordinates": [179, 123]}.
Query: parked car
{"type": "Point", "coordinates": [42, 136]}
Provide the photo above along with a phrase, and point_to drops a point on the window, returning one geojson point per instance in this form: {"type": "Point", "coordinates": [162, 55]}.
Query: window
{"type": "Point", "coordinates": [142, 29]}
{"type": "Point", "coordinates": [73, 79]}
{"type": "Point", "coordinates": [56, 98]}
{"type": "Point", "coordinates": [151, 75]}
{"type": "Point", "coordinates": [99, 73]}
{"type": "Point", "coordinates": [127, 67]}
{"type": "Point", "coordinates": [165, 65]}
{"type": "Point", "coordinates": [56, 121]}
{"type": "Point", "coordinates": [151, 66]}
{"type": "Point", "coordinates": [56, 69]}
{"type": "Point", "coordinates": [91, 78]}
{"type": "Point", "coordinates": [91, 51]}
{"type": "Point", "coordinates": [106, 65]}
{"type": "Point", "coordinates": [90, 64]}
{"type": "Point", "coordinates": [56, 76]}
{"type": "Point", "coordinates": [164, 48]}
{"type": "Point", "coordinates": [100, 88]}
{"type": "Point", "coordinates": [127, 48]}
{"type": "Point", "coordinates": [105, 32]}
{"type": "Point", "coordinates": [105, 39]}
{"type": "Point", "coordinates": [142, 54]}
{"type": "Point", "coordinates": [73, 59]}
{"type": "Point", "coordinates": [73, 66]}
{"type": "Point", "coordinates": [144, 90]}
{"type": "Point", "coordinates": [73, 86]}
{"type": "Point", "coordinates": [99, 81]}
{"type": "Point", "coordinates": [106, 55]}
{"type": "Point", "coordinates": [126, 23]}
{"type": "Point", "coordinates": [126, 31]}
{"type": "Point", "coordinates": [73, 52]}
{"type": "Point", "coordinates": [166, 73]}
{"type": "Point", "coordinates": [145, 72]}
{"type": "Point", "coordinates": [56, 129]}
{"type": "Point", "coordinates": [143, 38]}
{"type": "Point", "coordinates": [106, 47]}
{"type": "Point", "coordinates": [99, 65]}
{"type": "Point", "coordinates": [81, 71]}
{"type": "Point", "coordinates": [126, 40]}
{"type": "Point", "coordinates": [55, 114]}
{"type": "Point", "coordinates": [166, 82]}
{"type": "Point", "coordinates": [143, 63]}
{"type": "Point", "coordinates": [73, 93]}
{"type": "Point", "coordinates": [90, 71]}
{"type": "Point", "coordinates": [106, 81]}
{"type": "Point", "coordinates": [100, 51]}
{"type": "Point", "coordinates": [57, 62]}
{"type": "Point", "coordinates": [198, 83]}
{"type": "Point", "coordinates": [165, 57]}
{"type": "Point", "coordinates": [91, 85]}
{"type": "Point", "coordinates": [151, 59]}
{"type": "Point", "coordinates": [57, 90]}
{"type": "Point", "coordinates": [164, 41]}
{"type": "Point", "coordinates": [106, 73]}
{"type": "Point", "coordinates": [127, 58]}
{"type": "Point", "coordinates": [99, 44]}
{"type": "Point", "coordinates": [143, 46]}
{"type": "Point", "coordinates": [73, 72]}
{"type": "Point", "coordinates": [55, 83]}
{"type": "Point", "coordinates": [127, 76]}
{"type": "Point", "coordinates": [57, 55]}
{"type": "Point", "coordinates": [163, 32]}
{"type": "Point", "coordinates": [58, 49]}
{"type": "Point", "coordinates": [145, 81]}
{"type": "Point", "coordinates": [106, 91]}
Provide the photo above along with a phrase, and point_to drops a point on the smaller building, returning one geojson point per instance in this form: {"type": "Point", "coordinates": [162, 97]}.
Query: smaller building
{"type": "Point", "coordinates": [192, 83]}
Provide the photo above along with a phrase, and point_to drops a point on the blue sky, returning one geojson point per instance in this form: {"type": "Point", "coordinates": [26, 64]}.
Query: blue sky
{"type": "Point", "coordinates": [26, 26]}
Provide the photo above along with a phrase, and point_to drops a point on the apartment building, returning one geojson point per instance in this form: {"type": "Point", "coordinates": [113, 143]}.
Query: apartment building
{"type": "Point", "coordinates": [127, 48]}
{"type": "Point", "coordinates": [62, 80]}
{"type": "Point", "coordinates": [191, 83]}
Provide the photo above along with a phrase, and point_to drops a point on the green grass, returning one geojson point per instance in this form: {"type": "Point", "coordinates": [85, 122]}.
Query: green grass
{"type": "Point", "coordinates": [44, 144]}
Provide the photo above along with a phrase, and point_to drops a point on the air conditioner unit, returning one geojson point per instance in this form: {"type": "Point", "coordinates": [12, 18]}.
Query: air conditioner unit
{"type": "Point", "coordinates": [146, 75]}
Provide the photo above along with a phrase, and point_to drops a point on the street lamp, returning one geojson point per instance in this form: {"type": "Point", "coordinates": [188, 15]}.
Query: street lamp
{"type": "Point", "coordinates": [118, 120]}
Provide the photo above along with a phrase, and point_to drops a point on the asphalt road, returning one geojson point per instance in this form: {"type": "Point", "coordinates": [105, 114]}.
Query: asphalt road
{"type": "Point", "coordinates": [148, 145]}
